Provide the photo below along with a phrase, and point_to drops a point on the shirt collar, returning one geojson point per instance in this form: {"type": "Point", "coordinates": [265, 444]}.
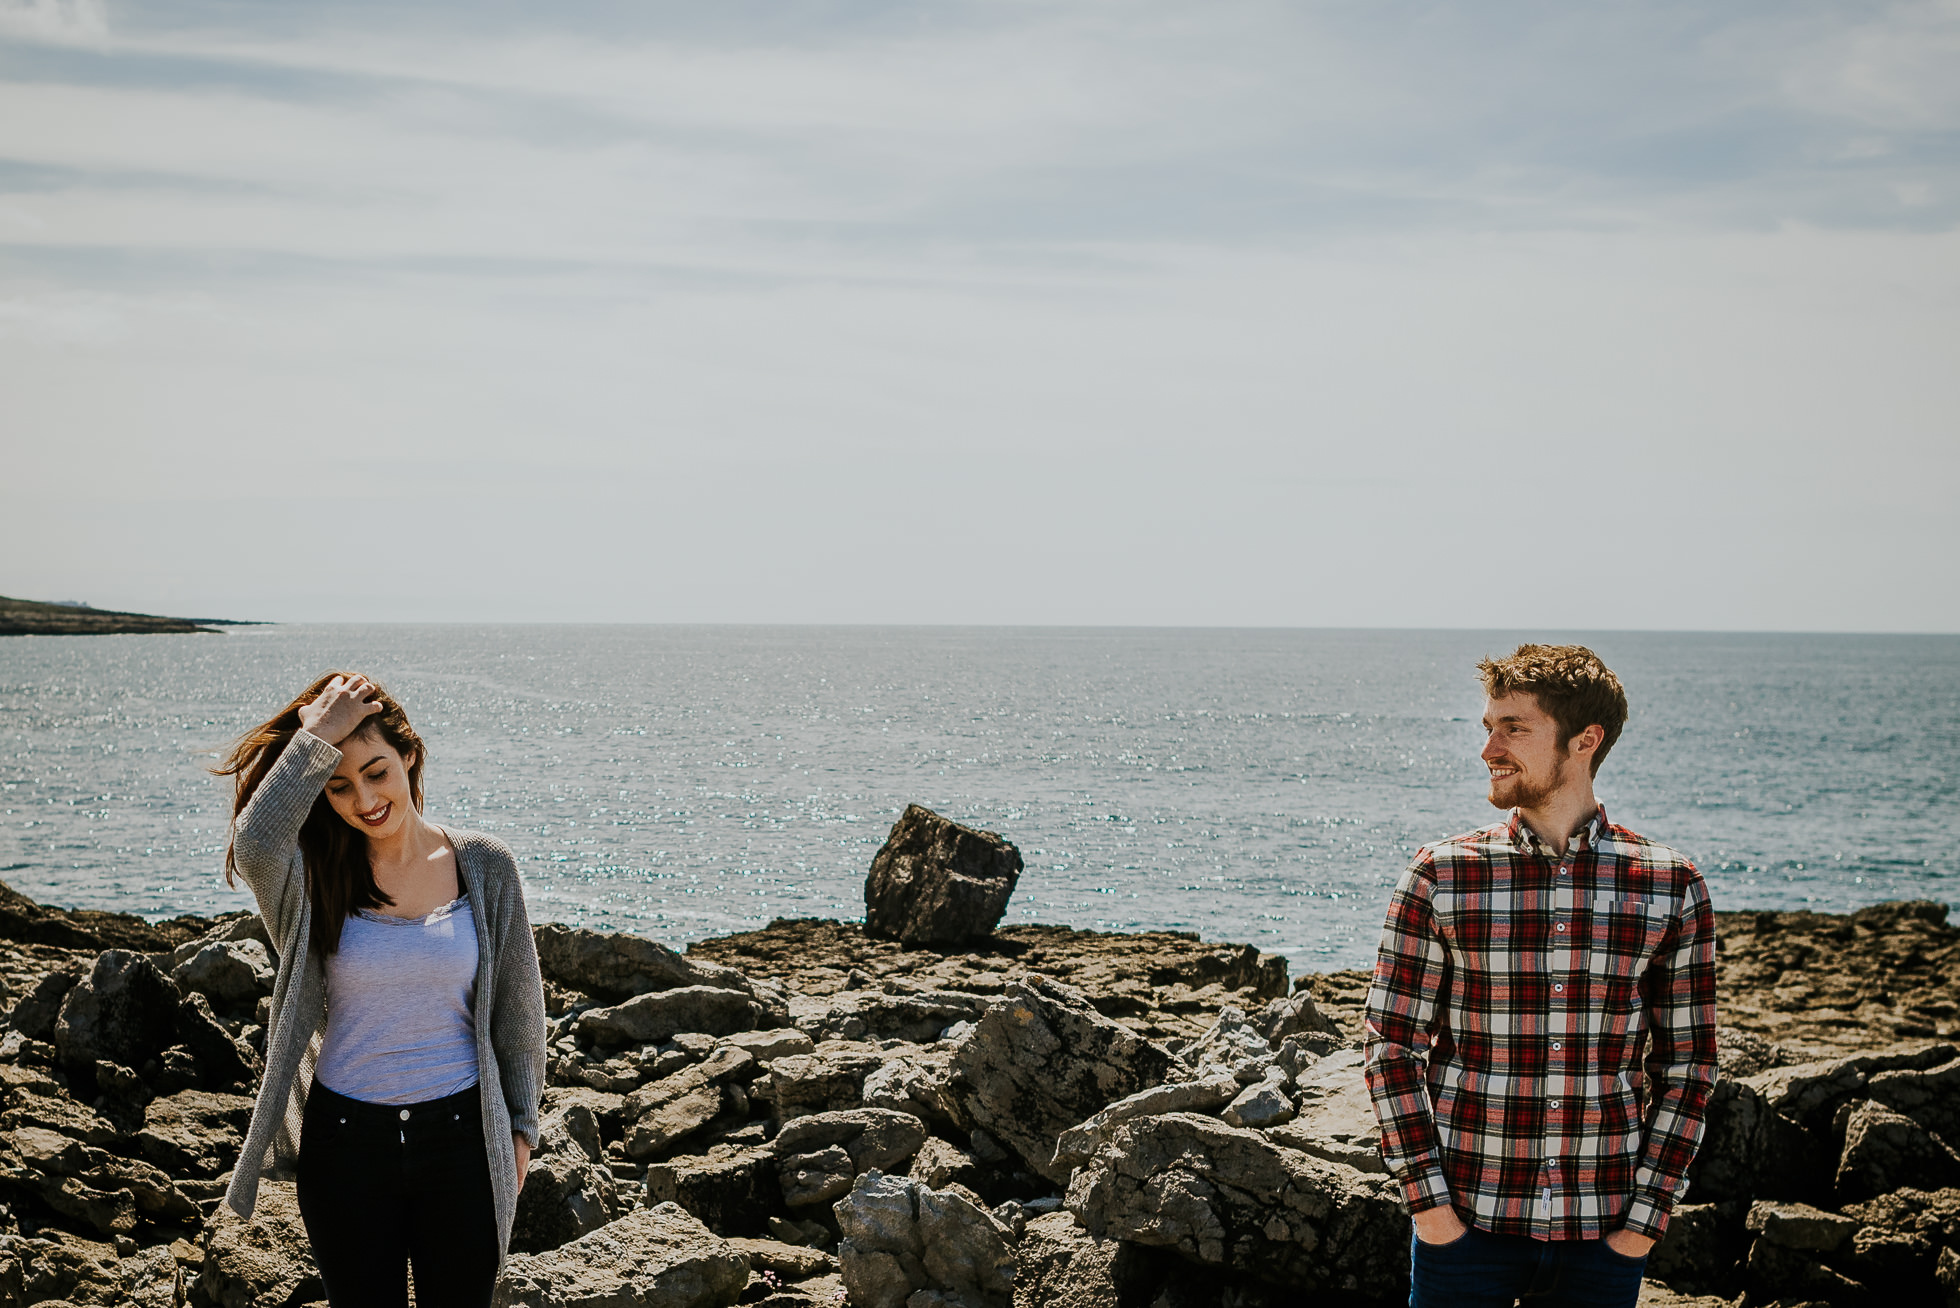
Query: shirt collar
{"type": "Point", "coordinates": [1586, 837]}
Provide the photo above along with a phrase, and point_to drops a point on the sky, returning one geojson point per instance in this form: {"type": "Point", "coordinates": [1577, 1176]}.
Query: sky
{"type": "Point", "coordinates": [1231, 313]}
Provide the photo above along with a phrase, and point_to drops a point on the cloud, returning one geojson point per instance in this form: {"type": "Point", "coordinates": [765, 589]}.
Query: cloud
{"type": "Point", "coordinates": [61, 22]}
{"type": "Point", "coordinates": [1064, 311]}
{"type": "Point", "coordinates": [61, 319]}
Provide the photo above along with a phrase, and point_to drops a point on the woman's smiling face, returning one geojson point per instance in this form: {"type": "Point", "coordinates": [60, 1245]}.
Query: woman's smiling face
{"type": "Point", "coordinates": [370, 787]}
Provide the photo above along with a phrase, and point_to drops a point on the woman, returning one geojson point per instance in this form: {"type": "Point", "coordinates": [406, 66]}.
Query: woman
{"type": "Point", "coordinates": [405, 1051]}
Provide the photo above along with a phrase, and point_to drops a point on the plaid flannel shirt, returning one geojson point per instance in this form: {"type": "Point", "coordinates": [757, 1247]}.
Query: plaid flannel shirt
{"type": "Point", "coordinates": [1544, 996]}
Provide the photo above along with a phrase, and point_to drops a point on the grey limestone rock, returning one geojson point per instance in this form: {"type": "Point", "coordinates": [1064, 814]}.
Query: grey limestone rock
{"type": "Point", "coordinates": [1294, 1015]}
{"type": "Point", "coordinates": [937, 882]}
{"type": "Point", "coordinates": [124, 1010]}
{"type": "Point", "coordinates": [151, 1279]}
{"type": "Point", "coordinates": [941, 1163]}
{"type": "Point", "coordinates": [795, 1262]}
{"type": "Point", "coordinates": [57, 1267]}
{"type": "Point", "coordinates": [1060, 1265]}
{"type": "Point", "coordinates": [767, 1046]}
{"type": "Point", "coordinates": [913, 1082]}
{"type": "Point", "coordinates": [1336, 1118]}
{"type": "Point", "coordinates": [615, 966]}
{"type": "Point", "coordinates": [902, 1239]}
{"type": "Point", "coordinates": [259, 1262]}
{"type": "Point", "coordinates": [1777, 1272]}
{"type": "Point", "coordinates": [831, 1078]}
{"type": "Point", "coordinates": [732, 1187]}
{"type": "Point", "coordinates": [1041, 1060]}
{"type": "Point", "coordinates": [194, 1132]}
{"type": "Point", "coordinates": [677, 1106]}
{"type": "Point", "coordinates": [652, 1256]}
{"type": "Point", "coordinates": [871, 1137]}
{"type": "Point", "coordinates": [1232, 1045]}
{"type": "Point", "coordinates": [226, 1062]}
{"type": "Point", "coordinates": [1261, 1105]}
{"type": "Point", "coordinates": [55, 1111]}
{"type": "Point", "coordinates": [1227, 1197]}
{"type": "Point", "coordinates": [916, 1016]}
{"type": "Point", "coordinates": [230, 973]}
{"type": "Point", "coordinates": [1799, 1226]}
{"type": "Point", "coordinates": [1206, 1095]}
{"type": "Point", "coordinates": [660, 1015]}
{"type": "Point", "coordinates": [34, 1016]}
{"type": "Point", "coordinates": [1884, 1150]}
{"type": "Point", "coordinates": [816, 1176]}
{"type": "Point", "coordinates": [241, 927]}
{"type": "Point", "coordinates": [1702, 1250]}
{"type": "Point", "coordinates": [568, 1190]}
{"type": "Point", "coordinates": [1929, 1096]}
{"type": "Point", "coordinates": [1749, 1149]}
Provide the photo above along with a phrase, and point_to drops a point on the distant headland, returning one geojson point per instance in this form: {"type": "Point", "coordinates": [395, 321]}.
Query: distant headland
{"type": "Point", "coordinates": [20, 617]}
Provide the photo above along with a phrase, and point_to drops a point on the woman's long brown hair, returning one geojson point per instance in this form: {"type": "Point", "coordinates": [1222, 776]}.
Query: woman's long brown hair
{"type": "Point", "coordinates": [339, 878]}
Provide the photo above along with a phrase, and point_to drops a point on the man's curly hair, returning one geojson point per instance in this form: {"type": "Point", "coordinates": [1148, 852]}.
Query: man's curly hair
{"type": "Point", "coordinates": [1570, 683]}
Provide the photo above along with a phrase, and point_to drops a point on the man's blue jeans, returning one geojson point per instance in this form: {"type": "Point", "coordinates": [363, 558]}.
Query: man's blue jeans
{"type": "Point", "coordinates": [1481, 1270]}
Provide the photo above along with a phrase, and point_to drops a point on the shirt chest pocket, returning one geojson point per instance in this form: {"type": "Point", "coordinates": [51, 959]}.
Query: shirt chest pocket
{"type": "Point", "coordinates": [1626, 933]}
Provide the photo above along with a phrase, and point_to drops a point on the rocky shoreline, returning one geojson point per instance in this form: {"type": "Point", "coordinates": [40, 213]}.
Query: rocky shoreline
{"type": "Point", "coordinates": [809, 1115]}
{"type": "Point", "coordinates": [19, 617]}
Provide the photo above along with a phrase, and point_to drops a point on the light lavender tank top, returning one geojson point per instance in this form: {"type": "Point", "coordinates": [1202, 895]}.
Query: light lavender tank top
{"type": "Point", "coordinates": [400, 998]}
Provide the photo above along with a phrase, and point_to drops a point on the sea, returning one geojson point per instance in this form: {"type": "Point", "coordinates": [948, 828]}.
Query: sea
{"type": "Point", "coordinates": [1261, 786]}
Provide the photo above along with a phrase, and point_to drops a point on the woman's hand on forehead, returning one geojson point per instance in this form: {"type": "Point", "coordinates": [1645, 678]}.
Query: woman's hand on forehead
{"type": "Point", "coordinates": [340, 709]}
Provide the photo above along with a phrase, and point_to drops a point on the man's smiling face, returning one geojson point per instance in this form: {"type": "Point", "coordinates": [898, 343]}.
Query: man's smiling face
{"type": "Point", "coordinates": [1527, 763]}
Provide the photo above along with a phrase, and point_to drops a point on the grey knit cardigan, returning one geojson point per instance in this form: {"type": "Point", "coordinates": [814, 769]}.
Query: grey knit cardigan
{"type": "Point", "coordinates": [509, 1006]}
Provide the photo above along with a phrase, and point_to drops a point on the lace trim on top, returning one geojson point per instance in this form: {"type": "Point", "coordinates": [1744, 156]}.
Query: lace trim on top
{"type": "Point", "coordinates": [434, 915]}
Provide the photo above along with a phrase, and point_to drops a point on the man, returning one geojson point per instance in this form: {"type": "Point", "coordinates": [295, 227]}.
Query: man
{"type": "Point", "coordinates": [1538, 980]}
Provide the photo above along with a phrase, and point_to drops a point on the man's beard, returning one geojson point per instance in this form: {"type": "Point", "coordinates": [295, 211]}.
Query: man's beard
{"type": "Point", "coordinates": [1520, 791]}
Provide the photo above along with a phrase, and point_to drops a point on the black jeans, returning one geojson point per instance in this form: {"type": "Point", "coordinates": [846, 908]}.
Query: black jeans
{"type": "Point", "coordinates": [382, 1186]}
{"type": "Point", "coordinates": [1481, 1270]}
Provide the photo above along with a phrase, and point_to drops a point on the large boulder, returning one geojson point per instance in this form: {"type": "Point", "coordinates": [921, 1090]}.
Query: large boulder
{"type": "Point", "coordinates": [1229, 1198]}
{"type": "Point", "coordinates": [652, 1256]}
{"type": "Point", "coordinates": [124, 1011]}
{"type": "Point", "coordinates": [936, 882]}
{"type": "Point", "coordinates": [902, 1238]}
{"type": "Point", "coordinates": [1039, 1061]}
{"type": "Point", "coordinates": [614, 966]}
{"type": "Point", "coordinates": [263, 1261]}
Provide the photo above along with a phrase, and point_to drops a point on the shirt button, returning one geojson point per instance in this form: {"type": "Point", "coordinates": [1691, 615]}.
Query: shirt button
{"type": "Point", "coordinates": [1559, 988]}
{"type": "Point", "coordinates": [1557, 1045]}
{"type": "Point", "coordinates": [1561, 926]}
{"type": "Point", "coordinates": [1555, 1103]}
{"type": "Point", "coordinates": [404, 1114]}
